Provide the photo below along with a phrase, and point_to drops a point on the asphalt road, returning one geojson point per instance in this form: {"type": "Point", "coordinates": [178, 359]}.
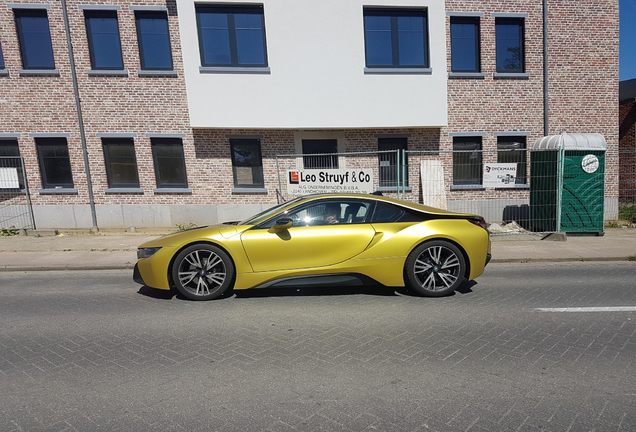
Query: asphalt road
{"type": "Point", "coordinates": [91, 351]}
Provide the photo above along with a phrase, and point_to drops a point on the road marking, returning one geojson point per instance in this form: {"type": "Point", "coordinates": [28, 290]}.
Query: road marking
{"type": "Point", "coordinates": [590, 309]}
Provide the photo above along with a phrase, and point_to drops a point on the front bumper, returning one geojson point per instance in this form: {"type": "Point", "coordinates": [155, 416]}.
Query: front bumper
{"type": "Point", "coordinates": [137, 275]}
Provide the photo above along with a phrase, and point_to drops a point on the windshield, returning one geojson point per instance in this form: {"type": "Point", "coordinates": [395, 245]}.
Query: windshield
{"type": "Point", "coordinates": [267, 213]}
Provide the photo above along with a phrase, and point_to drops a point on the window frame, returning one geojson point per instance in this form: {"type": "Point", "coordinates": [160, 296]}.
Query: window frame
{"type": "Point", "coordinates": [477, 168]}
{"type": "Point", "coordinates": [393, 14]}
{"type": "Point", "coordinates": [140, 15]}
{"type": "Point", "coordinates": [258, 180]}
{"type": "Point", "coordinates": [476, 22]}
{"type": "Point", "coordinates": [24, 49]}
{"type": "Point", "coordinates": [230, 10]}
{"type": "Point", "coordinates": [102, 13]}
{"type": "Point", "coordinates": [520, 22]}
{"type": "Point", "coordinates": [44, 174]}
{"type": "Point", "coordinates": [108, 160]}
{"type": "Point", "coordinates": [155, 143]}
{"type": "Point", "coordinates": [503, 140]}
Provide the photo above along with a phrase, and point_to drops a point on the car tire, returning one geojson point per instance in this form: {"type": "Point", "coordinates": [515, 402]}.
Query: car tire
{"type": "Point", "coordinates": [202, 272]}
{"type": "Point", "coordinates": [435, 268]}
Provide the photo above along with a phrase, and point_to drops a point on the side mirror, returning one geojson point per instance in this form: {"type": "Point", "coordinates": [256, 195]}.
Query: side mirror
{"type": "Point", "coordinates": [282, 224]}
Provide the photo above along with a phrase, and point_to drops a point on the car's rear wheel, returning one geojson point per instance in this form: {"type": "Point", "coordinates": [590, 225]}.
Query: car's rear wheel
{"type": "Point", "coordinates": [435, 268]}
{"type": "Point", "coordinates": [202, 272]}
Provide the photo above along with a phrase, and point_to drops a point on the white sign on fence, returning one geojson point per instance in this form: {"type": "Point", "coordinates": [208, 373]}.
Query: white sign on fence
{"type": "Point", "coordinates": [500, 175]}
{"type": "Point", "coordinates": [9, 178]}
{"type": "Point", "coordinates": [303, 182]}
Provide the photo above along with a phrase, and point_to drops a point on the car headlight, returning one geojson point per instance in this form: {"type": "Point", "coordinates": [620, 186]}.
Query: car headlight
{"type": "Point", "coordinates": [146, 252]}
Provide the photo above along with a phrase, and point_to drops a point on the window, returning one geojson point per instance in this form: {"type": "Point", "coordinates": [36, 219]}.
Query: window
{"type": "Point", "coordinates": [103, 40]}
{"type": "Point", "coordinates": [231, 36]}
{"type": "Point", "coordinates": [154, 41]}
{"type": "Point", "coordinates": [121, 164]}
{"type": "Point", "coordinates": [396, 38]}
{"type": "Point", "coordinates": [510, 45]}
{"type": "Point", "coordinates": [389, 161]}
{"type": "Point", "coordinates": [464, 33]}
{"type": "Point", "coordinates": [1, 58]}
{"type": "Point", "coordinates": [320, 147]}
{"type": "Point", "coordinates": [10, 158]}
{"type": "Point", "coordinates": [247, 163]}
{"type": "Point", "coordinates": [512, 149]}
{"type": "Point", "coordinates": [34, 38]}
{"type": "Point", "coordinates": [467, 168]}
{"type": "Point", "coordinates": [55, 164]}
{"type": "Point", "coordinates": [170, 169]}
{"type": "Point", "coordinates": [326, 212]}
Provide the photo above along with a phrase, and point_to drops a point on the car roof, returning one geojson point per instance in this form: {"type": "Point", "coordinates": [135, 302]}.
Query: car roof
{"type": "Point", "coordinates": [399, 202]}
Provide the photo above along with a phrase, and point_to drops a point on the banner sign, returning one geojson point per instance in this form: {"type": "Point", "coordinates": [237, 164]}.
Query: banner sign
{"type": "Point", "coordinates": [9, 178]}
{"type": "Point", "coordinates": [500, 175]}
{"type": "Point", "coordinates": [303, 182]}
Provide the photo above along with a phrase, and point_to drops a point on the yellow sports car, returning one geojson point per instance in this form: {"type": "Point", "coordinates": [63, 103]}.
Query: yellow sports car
{"type": "Point", "coordinates": [322, 239]}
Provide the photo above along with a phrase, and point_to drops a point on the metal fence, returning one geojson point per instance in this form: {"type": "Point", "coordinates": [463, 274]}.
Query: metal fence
{"type": "Point", "coordinates": [16, 211]}
{"type": "Point", "coordinates": [548, 193]}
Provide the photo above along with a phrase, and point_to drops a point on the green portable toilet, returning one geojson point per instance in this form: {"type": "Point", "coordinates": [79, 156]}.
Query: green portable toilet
{"type": "Point", "coordinates": [567, 183]}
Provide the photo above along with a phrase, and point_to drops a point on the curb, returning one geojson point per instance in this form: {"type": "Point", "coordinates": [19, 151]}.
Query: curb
{"type": "Point", "coordinates": [555, 260]}
{"type": "Point", "coordinates": [67, 267]}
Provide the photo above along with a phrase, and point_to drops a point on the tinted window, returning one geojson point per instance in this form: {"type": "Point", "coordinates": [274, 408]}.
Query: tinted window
{"type": "Point", "coordinates": [323, 148]}
{"type": "Point", "coordinates": [389, 162]}
{"type": "Point", "coordinates": [103, 40]}
{"type": "Point", "coordinates": [154, 41]}
{"type": "Point", "coordinates": [1, 58]}
{"type": "Point", "coordinates": [326, 212]}
{"type": "Point", "coordinates": [170, 169]}
{"type": "Point", "coordinates": [55, 164]}
{"type": "Point", "coordinates": [510, 45]}
{"type": "Point", "coordinates": [467, 169]}
{"type": "Point", "coordinates": [512, 149]}
{"type": "Point", "coordinates": [10, 158]}
{"type": "Point", "coordinates": [464, 44]}
{"type": "Point", "coordinates": [32, 26]}
{"type": "Point", "coordinates": [395, 38]}
{"type": "Point", "coordinates": [247, 163]}
{"type": "Point", "coordinates": [231, 35]}
{"type": "Point", "coordinates": [386, 213]}
{"type": "Point", "coordinates": [121, 164]}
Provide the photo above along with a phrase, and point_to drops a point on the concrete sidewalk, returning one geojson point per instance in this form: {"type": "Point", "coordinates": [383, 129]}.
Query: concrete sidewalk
{"type": "Point", "coordinates": [118, 249]}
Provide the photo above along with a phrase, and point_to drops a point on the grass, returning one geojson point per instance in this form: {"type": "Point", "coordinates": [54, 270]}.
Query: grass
{"type": "Point", "coordinates": [631, 258]}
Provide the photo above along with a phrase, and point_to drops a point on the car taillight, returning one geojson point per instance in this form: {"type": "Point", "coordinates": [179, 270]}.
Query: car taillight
{"type": "Point", "coordinates": [480, 223]}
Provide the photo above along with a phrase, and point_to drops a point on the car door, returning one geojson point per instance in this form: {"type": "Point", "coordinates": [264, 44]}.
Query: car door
{"type": "Point", "coordinates": [310, 242]}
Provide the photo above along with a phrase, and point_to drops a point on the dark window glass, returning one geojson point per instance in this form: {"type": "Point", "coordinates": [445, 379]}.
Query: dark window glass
{"type": "Point", "coordinates": [121, 164]}
{"type": "Point", "coordinates": [231, 35]}
{"type": "Point", "coordinates": [170, 169]}
{"type": "Point", "coordinates": [464, 44]}
{"type": "Point", "coordinates": [35, 38]}
{"type": "Point", "coordinates": [103, 40]}
{"type": "Point", "coordinates": [396, 38]}
{"type": "Point", "coordinates": [510, 45]}
{"type": "Point", "coordinates": [390, 161]}
{"type": "Point", "coordinates": [326, 212]}
{"type": "Point", "coordinates": [467, 169]}
{"type": "Point", "coordinates": [247, 163]}
{"type": "Point", "coordinates": [386, 213]}
{"type": "Point", "coordinates": [323, 148]}
{"type": "Point", "coordinates": [154, 41]}
{"type": "Point", "coordinates": [10, 158]}
{"type": "Point", "coordinates": [1, 58]}
{"type": "Point", "coordinates": [512, 149]}
{"type": "Point", "coordinates": [55, 164]}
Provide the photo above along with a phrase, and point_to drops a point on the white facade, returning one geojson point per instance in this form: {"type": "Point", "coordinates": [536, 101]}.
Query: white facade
{"type": "Point", "coordinates": [316, 76]}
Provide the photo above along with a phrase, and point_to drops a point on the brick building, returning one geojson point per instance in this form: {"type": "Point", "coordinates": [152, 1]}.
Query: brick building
{"type": "Point", "coordinates": [174, 112]}
{"type": "Point", "coordinates": [627, 143]}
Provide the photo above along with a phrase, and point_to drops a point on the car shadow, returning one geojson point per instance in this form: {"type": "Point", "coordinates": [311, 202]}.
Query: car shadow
{"type": "Point", "coordinates": [306, 291]}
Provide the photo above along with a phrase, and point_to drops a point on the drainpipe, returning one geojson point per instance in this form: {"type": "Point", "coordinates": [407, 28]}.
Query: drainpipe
{"type": "Point", "coordinates": [80, 119]}
{"type": "Point", "coordinates": [546, 128]}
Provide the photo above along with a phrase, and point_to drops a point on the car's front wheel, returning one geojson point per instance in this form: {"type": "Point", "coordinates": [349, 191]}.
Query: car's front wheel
{"type": "Point", "coordinates": [435, 268]}
{"type": "Point", "coordinates": [202, 272]}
